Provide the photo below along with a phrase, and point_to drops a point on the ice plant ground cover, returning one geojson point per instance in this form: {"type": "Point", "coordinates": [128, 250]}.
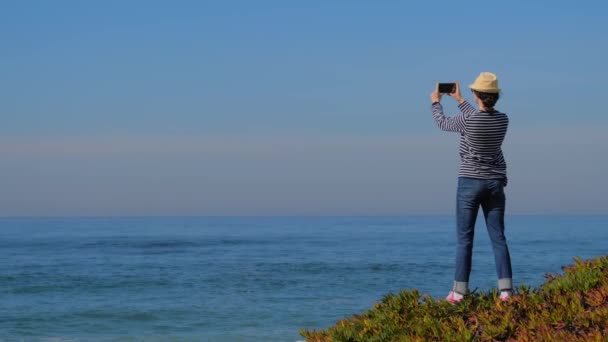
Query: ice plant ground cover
{"type": "Point", "coordinates": [572, 306]}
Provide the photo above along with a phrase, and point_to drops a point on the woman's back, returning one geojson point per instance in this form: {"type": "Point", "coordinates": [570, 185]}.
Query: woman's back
{"type": "Point", "coordinates": [481, 145]}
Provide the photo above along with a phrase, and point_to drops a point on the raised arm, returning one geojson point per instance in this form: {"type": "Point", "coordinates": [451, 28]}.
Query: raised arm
{"type": "Point", "coordinates": [463, 105]}
{"type": "Point", "coordinates": [466, 108]}
{"type": "Point", "coordinates": [455, 123]}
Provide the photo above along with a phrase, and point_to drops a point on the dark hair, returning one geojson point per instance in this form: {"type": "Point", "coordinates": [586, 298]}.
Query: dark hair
{"type": "Point", "coordinates": [488, 99]}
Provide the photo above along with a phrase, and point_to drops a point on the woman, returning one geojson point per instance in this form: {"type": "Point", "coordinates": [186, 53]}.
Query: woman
{"type": "Point", "coordinates": [481, 179]}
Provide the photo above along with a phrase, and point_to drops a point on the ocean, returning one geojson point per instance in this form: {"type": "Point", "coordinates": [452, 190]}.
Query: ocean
{"type": "Point", "coordinates": [247, 278]}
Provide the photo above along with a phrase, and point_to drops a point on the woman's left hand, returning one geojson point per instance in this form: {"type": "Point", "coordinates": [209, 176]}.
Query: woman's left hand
{"type": "Point", "coordinates": [436, 96]}
{"type": "Point", "coordinates": [456, 94]}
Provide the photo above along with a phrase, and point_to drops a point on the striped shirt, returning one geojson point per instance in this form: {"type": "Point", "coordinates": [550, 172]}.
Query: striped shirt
{"type": "Point", "coordinates": [481, 137]}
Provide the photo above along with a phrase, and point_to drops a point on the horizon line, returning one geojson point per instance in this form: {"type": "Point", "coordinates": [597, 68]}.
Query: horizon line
{"type": "Point", "coordinates": [280, 215]}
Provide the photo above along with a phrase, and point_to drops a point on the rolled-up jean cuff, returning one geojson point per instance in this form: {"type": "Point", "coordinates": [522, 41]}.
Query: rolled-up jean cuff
{"type": "Point", "coordinates": [461, 287]}
{"type": "Point", "coordinates": [505, 284]}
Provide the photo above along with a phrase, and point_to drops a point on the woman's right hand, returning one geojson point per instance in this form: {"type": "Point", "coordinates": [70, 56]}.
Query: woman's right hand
{"type": "Point", "coordinates": [456, 94]}
{"type": "Point", "coordinates": [436, 95]}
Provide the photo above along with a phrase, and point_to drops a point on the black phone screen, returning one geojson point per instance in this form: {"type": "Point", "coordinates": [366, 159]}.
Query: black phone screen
{"type": "Point", "coordinates": [447, 88]}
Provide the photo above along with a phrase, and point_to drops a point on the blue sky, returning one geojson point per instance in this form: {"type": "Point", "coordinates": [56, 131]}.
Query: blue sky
{"type": "Point", "coordinates": [275, 107]}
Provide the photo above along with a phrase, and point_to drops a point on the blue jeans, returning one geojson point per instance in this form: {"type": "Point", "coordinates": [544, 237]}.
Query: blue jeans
{"type": "Point", "coordinates": [489, 194]}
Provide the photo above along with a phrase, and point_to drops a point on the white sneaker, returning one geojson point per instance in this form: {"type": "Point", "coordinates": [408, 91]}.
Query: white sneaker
{"type": "Point", "coordinates": [454, 297]}
{"type": "Point", "coordinates": [505, 295]}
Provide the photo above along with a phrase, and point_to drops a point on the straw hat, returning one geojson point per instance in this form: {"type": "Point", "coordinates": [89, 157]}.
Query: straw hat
{"type": "Point", "coordinates": [486, 82]}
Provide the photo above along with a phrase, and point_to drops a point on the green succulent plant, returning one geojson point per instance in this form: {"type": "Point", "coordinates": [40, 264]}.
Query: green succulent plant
{"type": "Point", "coordinates": [572, 306]}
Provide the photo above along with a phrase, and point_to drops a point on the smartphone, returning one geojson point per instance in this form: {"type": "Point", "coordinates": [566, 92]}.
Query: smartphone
{"type": "Point", "coordinates": [447, 88]}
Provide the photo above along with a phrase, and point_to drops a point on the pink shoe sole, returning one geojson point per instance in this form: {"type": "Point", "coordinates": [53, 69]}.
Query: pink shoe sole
{"type": "Point", "coordinates": [452, 299]}
{"type": "Point", "coordinates": [507, 296]}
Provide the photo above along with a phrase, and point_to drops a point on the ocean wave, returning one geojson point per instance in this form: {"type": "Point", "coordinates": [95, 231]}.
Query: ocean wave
{"type": "Point", "coordinates": [139, 244]}
{"type": "Point", "coordinates": [173, 244]}
{"type": "Point", "coordinates": [108, 314]}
